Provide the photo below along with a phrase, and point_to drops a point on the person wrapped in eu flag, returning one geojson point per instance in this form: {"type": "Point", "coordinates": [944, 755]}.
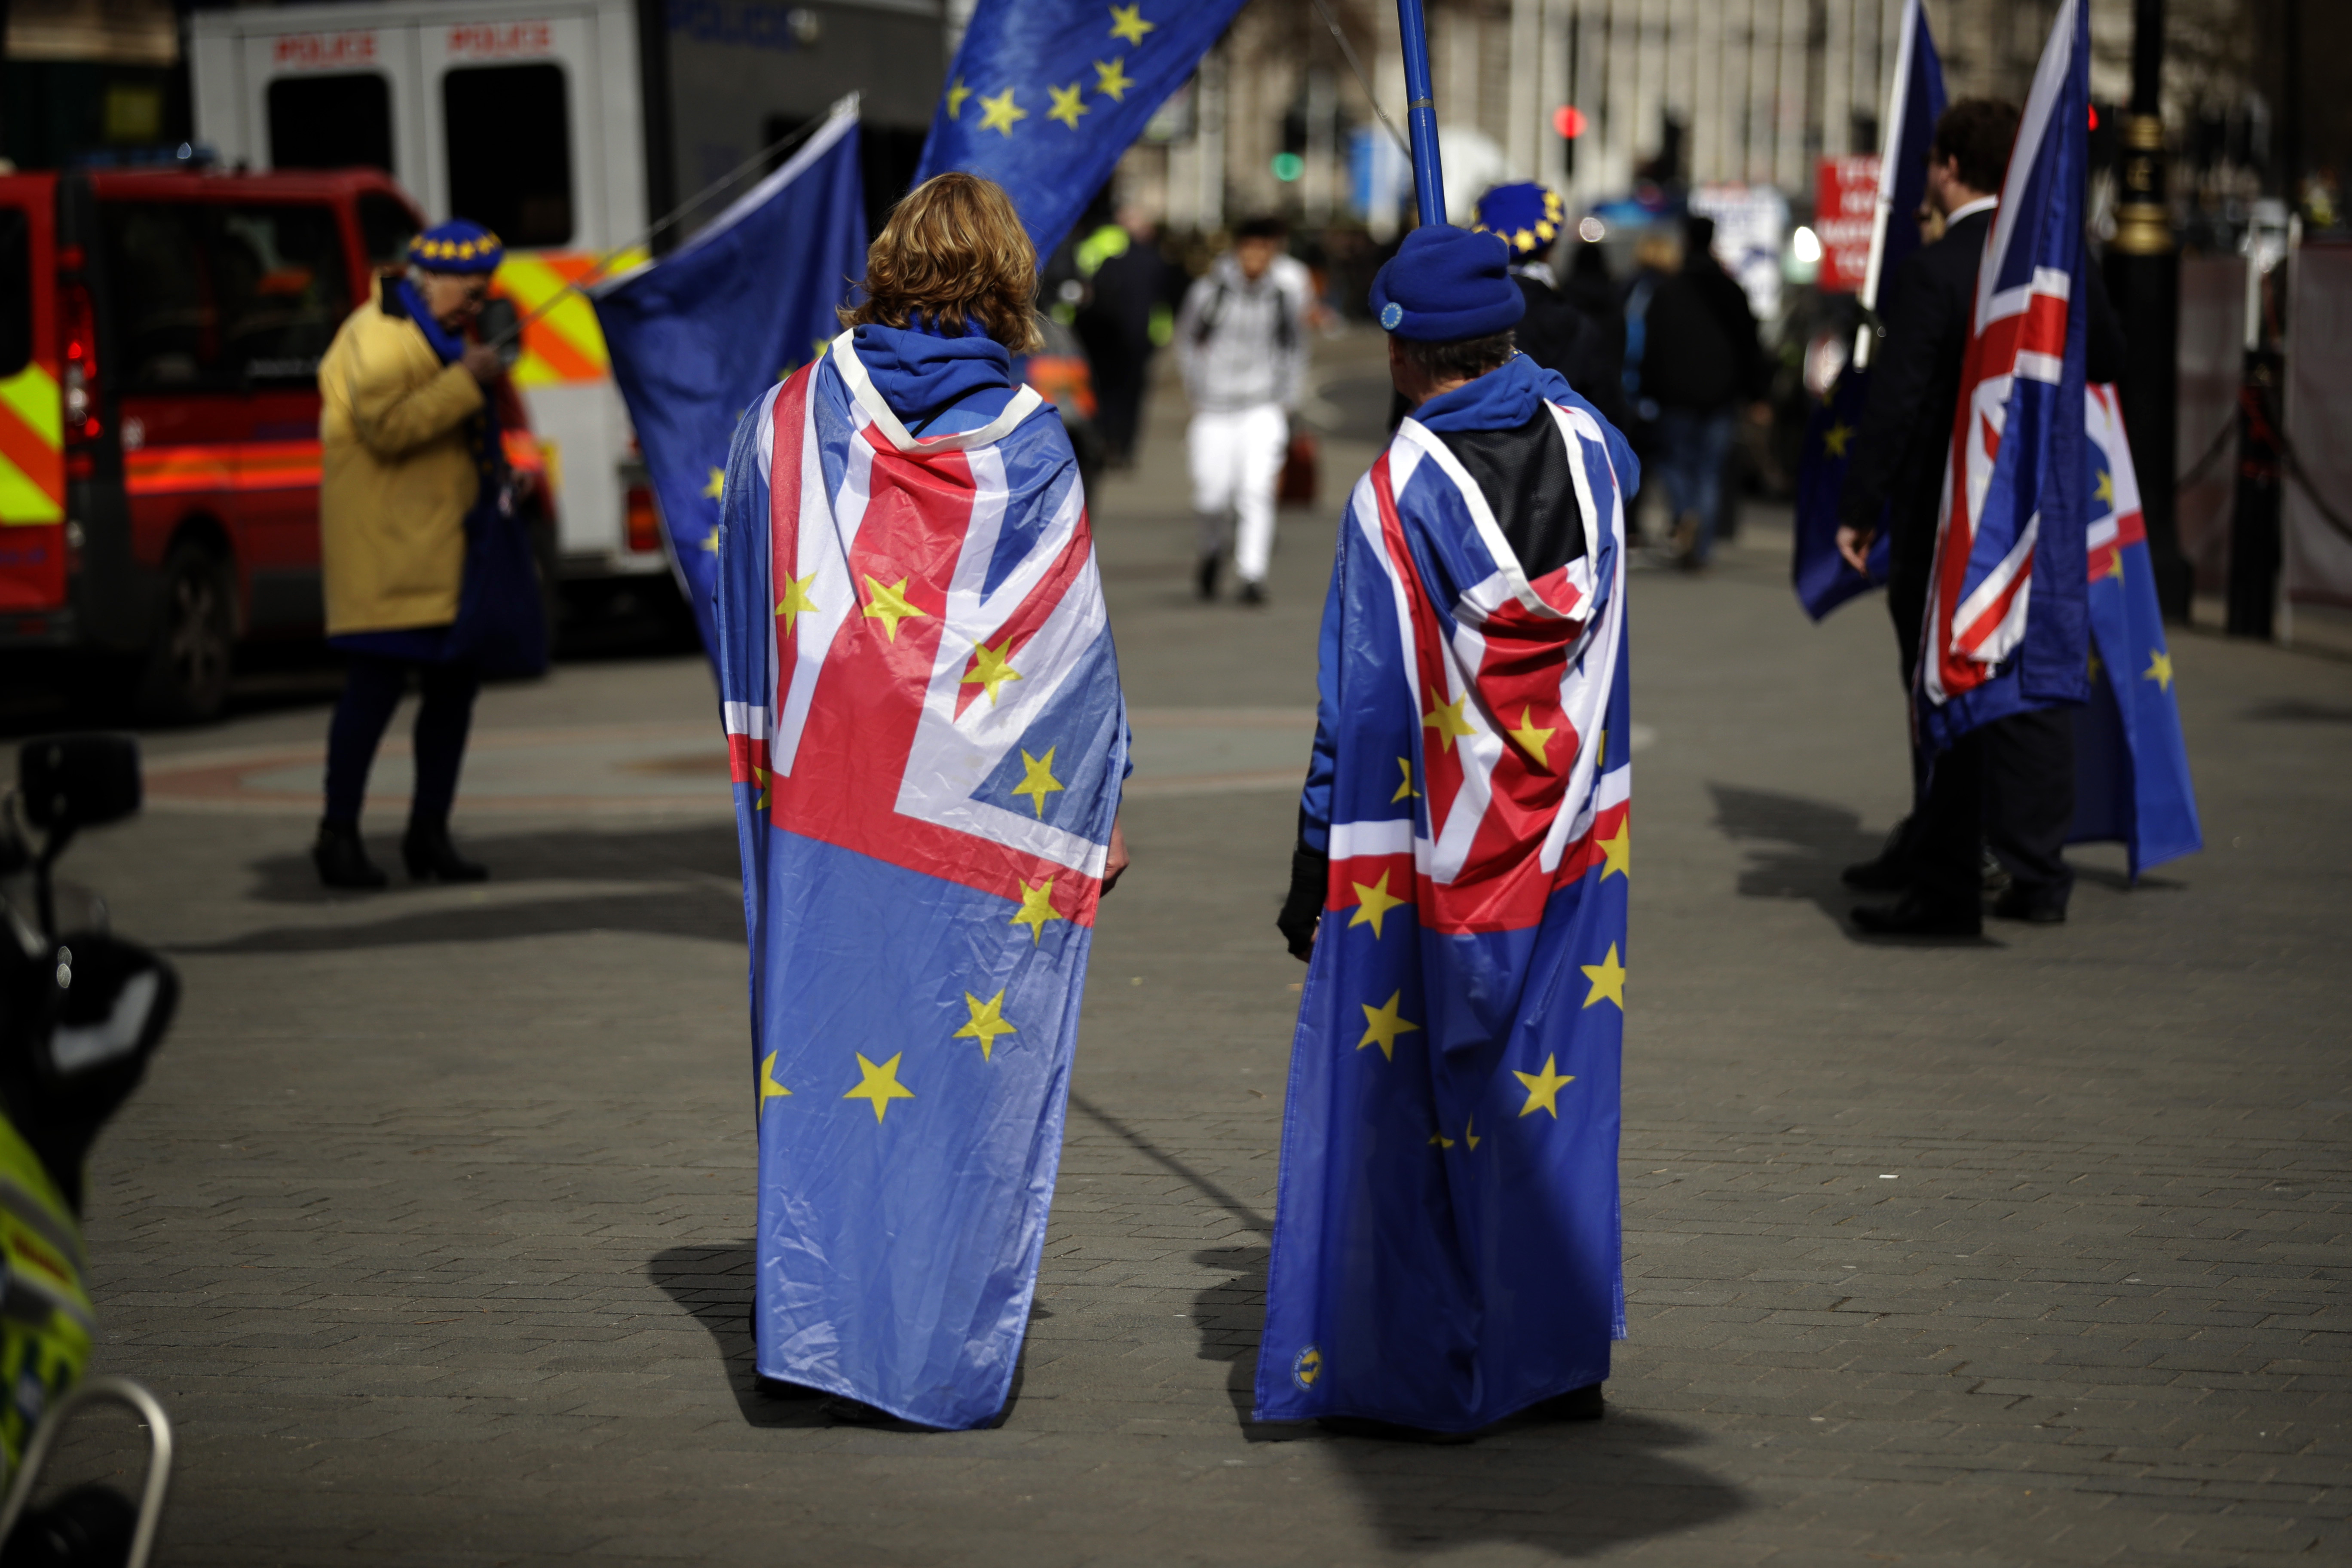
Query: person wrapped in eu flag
{"type": "Point", "coordinates": [1446, 1246]}
{"type": "Point", "coordinates": [923, 715]}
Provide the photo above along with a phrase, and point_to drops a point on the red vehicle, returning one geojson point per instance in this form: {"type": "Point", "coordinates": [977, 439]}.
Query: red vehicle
{"type": "Point", "coordinates": [160, 339]}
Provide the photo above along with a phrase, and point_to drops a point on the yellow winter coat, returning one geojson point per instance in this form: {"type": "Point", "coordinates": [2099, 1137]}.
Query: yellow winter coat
{"type": "Point", "coordinates": [397, 478]}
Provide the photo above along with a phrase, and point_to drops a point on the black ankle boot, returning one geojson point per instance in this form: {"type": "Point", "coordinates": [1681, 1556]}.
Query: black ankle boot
{"type": "Point", "coordinates": [342, 859]}
{"type": "Point", "coordinates": [431, 857]}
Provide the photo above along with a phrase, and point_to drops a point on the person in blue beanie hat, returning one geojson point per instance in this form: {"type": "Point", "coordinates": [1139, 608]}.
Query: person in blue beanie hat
{"type": "Point", "coordinates": [1446, 1246]}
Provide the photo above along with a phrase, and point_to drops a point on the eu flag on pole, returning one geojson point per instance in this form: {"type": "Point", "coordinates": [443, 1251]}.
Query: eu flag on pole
{"type": "Point", "coordinates": [2007, 630]}
{"type": "Point", "coordinates": [926, 736]}
{"type": "Point", "coordinates": [1823, 578]}
{"type": "Point", "coordinates": [2131, 767]}
{"type": "Point", "coordinates": [697, 336]}
{"type": "Point", "coordinates": [1045, 95]}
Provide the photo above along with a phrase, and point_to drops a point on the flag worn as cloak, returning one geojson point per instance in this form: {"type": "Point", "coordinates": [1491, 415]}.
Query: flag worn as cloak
{"type": "Point", "coordinates": [2008, 626]}
{"type": "Point", "coordinates": [1446, 1244]}
{"type": "Point", "coordinates": [1822, 579]}
{"type": "Point", "coordinates": [923, 713]}
{"type": "Point", "coordinates": [697, 336]}
{"type": "Point", "coordinates": [2131, 766]}
{"type": "Point", "coordinates": [1046, 96]}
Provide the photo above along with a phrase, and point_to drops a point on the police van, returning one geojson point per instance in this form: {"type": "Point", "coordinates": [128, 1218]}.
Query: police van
{"type": "Point", "coordinates": [565, 128]}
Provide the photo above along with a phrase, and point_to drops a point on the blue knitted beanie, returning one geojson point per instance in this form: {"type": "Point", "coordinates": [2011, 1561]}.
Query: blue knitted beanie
{"type": "Point", "coordinates": [1445, 284]}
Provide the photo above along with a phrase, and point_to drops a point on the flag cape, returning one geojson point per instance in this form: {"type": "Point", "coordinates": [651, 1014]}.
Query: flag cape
{"type": "Point", "coordinates": [2007, 628]}
{"type": "Point", "coordinates": [923, 715]}
{"type": "Point", "coordinates": [1446, 1234]}
{"type": "Point", "coordinates": [2131, 767]}
{"type": "Point", "coordinates": [1046, 96]}
{"type": "Point", "coordinates": [1822, 579]}
{"type": "Point", "coordinates": [697, 336]}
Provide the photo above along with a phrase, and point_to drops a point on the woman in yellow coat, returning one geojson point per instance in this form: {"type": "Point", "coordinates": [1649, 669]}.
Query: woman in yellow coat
{"type": "Point", "coordinates": [410, 441]}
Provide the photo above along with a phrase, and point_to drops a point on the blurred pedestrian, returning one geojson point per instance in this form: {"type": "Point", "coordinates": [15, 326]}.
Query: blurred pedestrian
{"type": "Point", "coordinates": [410, 448]}
{"type": "Point", "coordinates": [1701, 361]}
{"type": "Point", "coordinates": [1127, 280]}
{"type": "Point", "coordinates": [1587, 348]}
{"type": "Point", "coordinates": [2011, 784]}
{"type": "Point", "coordinates": [1242, 340]}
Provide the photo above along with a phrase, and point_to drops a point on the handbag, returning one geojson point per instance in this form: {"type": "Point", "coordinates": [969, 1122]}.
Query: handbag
{"type": "Point", "coordinates": [501, 623]}
{"type": "Point", "coordinates": [1300, 471]}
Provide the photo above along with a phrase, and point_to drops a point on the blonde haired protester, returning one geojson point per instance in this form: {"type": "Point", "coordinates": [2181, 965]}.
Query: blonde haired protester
{"type": "Point", "coordinates": [923, 710]}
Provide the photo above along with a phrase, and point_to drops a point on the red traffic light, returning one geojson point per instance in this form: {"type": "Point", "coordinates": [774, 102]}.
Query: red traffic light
{"type": "Point", "coordinates": [1569, 121]}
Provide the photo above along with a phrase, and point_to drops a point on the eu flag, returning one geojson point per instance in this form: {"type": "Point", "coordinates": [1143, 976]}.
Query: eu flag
{"type": "Point", "coordinates": [1823, 578]}
{"type": "Point", "coordinates": [1446, 1244]}
{"type": "Point", "coordinates": [2131, 766]}
{"type": "Point", "coordinates": [1045, 95]}
{"type": "Point", "coordinates": [697, 336]}
{"type": "Point", "coordinates": [927, 738]}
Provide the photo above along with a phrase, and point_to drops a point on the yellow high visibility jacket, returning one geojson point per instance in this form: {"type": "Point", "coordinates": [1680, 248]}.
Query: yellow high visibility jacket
{"type": "Point", "coordinates": [46, 1318]}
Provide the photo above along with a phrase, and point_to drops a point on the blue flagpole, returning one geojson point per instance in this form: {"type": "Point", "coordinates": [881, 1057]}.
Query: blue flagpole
{"type": "Point", "coordinates": [1421, 114]}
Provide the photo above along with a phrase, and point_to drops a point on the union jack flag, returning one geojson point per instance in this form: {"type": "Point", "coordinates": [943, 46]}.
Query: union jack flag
{"type": "Point", "coordinates": [923, 714]}
{"type": "Point", "coordinates": [2006, 618]}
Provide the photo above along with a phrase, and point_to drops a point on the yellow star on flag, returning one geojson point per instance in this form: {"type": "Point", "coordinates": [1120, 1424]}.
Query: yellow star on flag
{"type": "Point", "coordinates": [1037, 908]}
{"type": "Point", "coordinates": [717, 487]}
{"type": "Point", "coordinates": [879, 1085]}
{"type": "Point", "coordinates": [2115, 561]}
{"type": "Point", "coordinates": [1835, 438]}
{"type": "Point", "coordinates": [956, 95]}
{"type": "Point", "coordinates": [2160, 669]}
{"type": "Point", "coordinates": [1470, 1133]}
{"type": "Point", "coordinates": [796, 599]}
{"type": "Point", "coordinates": [1533, 739]}
{"type": "Point", "coordinates": [890, 605]}
{"type": "Point", "coordinates": [1440, 1140]}
{"type": "Point", "coordinates": [1524, 240]}
{"type": "Point", "coordinates": [1375, 902]}
{"type": "Point", "coordinates": [1543, 1088]}
{"type": "Point", "coordinates": [1066, 105]}
{"type": "Point", "coordinates": [1112, 81]}
{"type": "Point", "coordinates": [992, 667]}
{"type": "Point", "coordinates": [768, 1087]}
{"type": "Point", "coordinates": [2107, 492]}
{"type": "Point", "coordinates": [710, 542]}
{"type": "Point", "coordinates": [1446, 719]}
{"type": "Point", "coordinates": [1406, 790]}
{"type": "Point", "coordinates": [1126, 22]}
{"type": "Point", "coordinates": [1037, 780]}
{"type": "Point", "coordinates": [760, 782]}
{"type": "Point", "coordinates": [1608, 978]}
{"type": "Point", "coordinates": [1382, 1024]}
{"type": "Point", "coordinates": [998, 113]}
{"type": "Point", "coordinates": [987, 1023]}
{"type": "Point", "coordinates": [2095, 665]}
{"type": "Point", "coordinates": [1619, 850]}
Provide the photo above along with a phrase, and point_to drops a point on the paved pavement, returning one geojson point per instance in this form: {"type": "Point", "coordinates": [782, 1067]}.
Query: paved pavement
{"type": "Point", "coordinates": [432, 1223]}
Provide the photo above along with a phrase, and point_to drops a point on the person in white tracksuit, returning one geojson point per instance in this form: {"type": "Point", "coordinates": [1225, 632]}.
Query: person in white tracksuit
{"type": "Point", "coordinates": [1241, 341]}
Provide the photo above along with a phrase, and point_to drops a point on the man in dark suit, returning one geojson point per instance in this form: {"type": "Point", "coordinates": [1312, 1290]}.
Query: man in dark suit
{"type": "Point", "coordinates": [2009, 784]}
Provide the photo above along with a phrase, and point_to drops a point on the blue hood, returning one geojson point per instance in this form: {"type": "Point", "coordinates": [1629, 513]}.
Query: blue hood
{"type": "Point", "coordinates": [939, 385]}
{"type": "Point", "coordinates": [1506, 399]}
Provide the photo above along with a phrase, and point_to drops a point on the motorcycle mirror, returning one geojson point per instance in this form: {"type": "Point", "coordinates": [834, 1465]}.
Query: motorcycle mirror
{"type": "Point", "coordinates": [73, 782]}
{"type": "Point", "coordinates": [497, 326]}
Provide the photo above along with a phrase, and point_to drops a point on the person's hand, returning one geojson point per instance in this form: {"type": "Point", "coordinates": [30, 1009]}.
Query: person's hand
{"type": "Point", "coordinates": [482, 363]}
{"type": "Point", "coordinates": [1115, 864]}
{"type": "Point", "coordinates": [1854, 543]}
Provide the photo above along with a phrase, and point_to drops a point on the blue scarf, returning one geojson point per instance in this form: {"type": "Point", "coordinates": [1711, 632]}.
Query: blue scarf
{"type": "Point", "coordinates": [483, 438]}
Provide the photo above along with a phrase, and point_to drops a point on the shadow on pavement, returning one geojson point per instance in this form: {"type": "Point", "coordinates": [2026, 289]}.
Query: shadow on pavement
{"type": "Point", "coordinates": [2293, 711]}
{"type": "Point", "coordinates": [714, 1283]}
{"type": "Point", "coordinates": [691, 890]}
{"type": "Point", "coordinates": [1573, 1490]}
{"type": "Point", "coordinates": [1797, 846]}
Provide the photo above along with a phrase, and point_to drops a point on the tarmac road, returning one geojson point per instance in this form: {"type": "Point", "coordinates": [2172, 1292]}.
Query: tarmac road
{"type": "Point", "coordinates": [432, 1224]}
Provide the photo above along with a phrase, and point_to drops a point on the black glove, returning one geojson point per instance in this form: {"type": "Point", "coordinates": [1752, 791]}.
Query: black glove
{"type": "Point", "coordinates": [1310, 877]}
